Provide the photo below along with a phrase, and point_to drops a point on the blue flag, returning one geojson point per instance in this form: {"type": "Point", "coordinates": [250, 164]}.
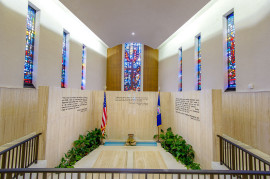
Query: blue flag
{"type": "Point", "coordinates": [158, 111]}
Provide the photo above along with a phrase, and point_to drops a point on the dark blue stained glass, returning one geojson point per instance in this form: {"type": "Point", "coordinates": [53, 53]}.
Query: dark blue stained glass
{"type": "Point", "coordinates": [132, 67]}
{"type": "Point", "coordinates": [29, 49]}
{"type": "Point", "coordinates": [64, 60]}
{"type": "Point", "coordinates": [180, 70]}
{"type": "Point", "coordinates": [83, 67]}
{"type": "Point", "coordinates": [231, 51]}
{"type": "Point", "coordinates": [199, 65]}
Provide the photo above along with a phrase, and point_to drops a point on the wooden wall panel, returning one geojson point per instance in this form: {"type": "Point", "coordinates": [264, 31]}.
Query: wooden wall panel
{"type": "Point", "coordinates": [128, 116]}
{"type": "Point", "coordinates": [18, 113]}
{"type": "Point", "coordinates": [217, 116]}
{"type": "Point", "coordinates": [114, 68]}
{"type": "Point", "coordinates": [150, 69]}
{"type": "Point", "coordinates": [198, 133]}
{"type": "Point", "coordinates": [64, 127]}
{"type": "Point", "coordinates": [43, 99]}
{"type": "Point", "coordinates": [97, 107]}
{"type": "Point", "coordinates": [166, 109]}
{"type": "Point", "coordinates": [246, 117]}
{"type": "Point", "coordinates": [124, 117]}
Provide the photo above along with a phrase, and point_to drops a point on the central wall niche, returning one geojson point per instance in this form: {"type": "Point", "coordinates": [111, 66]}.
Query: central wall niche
{"type": "Point", "coordinates": [131, 113]}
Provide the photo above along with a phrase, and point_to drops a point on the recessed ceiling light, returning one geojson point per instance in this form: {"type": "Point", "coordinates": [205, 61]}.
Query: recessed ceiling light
{"type": "Point", "coordinates": [133, 33]}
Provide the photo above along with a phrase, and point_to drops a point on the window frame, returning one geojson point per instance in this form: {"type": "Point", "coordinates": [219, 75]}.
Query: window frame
{"type": "Point", "coordinates": [225, 47]}
{"type": "Point", "coordinates": [66, 60]}
{"type": "Point", "coordinates": [198, 41]}
{"type": "Point", "coordinates": [180, 70]}
{"type": "Point", "coordinates": [84, 60]}
{"type": "Point", "coordinates": [35, 48]}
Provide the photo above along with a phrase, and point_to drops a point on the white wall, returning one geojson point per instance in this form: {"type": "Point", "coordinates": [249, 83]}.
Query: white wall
{"type": "Point", "coordinates": [96, 69]}
{"type": "Point", "coordinates": [54, 18]}
{"type": "Point", "coordinates": [252, 24]}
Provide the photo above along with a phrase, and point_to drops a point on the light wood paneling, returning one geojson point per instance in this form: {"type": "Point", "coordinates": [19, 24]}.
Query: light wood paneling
{"type": "Point", "coordinates": [114, 68]}
{"type": "Point", "coordinates": [135, 115]}
{"type": "Point", "coordinates": [125, 118]}
{"type": "Point", "coordinates": [43, 97]}
{"type": "Point", "coordinates": [246, 117]}
{"type": "Point", "coordinates": [97, 107]}
{"type": "Point", "coordinates": [166, 110]}
{"type": "Point", "coordinates": [150, 69]}
{"type": "Point", "coordinates": [198, 133]}
{"type": "Point", "coordinates": [18, 113]}
{"type": "Point", "coordinates": [64, 127]}
{"type": "Point", "coordinates": [217, 116]}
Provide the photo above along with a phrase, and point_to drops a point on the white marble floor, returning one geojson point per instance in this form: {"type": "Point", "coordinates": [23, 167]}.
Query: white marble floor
{"type": "Point", "coordinates": [90, 160]}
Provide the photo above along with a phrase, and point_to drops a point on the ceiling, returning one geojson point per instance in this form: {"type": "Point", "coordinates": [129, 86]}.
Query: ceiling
{"type": "Point", "coordinates": [152, 21]}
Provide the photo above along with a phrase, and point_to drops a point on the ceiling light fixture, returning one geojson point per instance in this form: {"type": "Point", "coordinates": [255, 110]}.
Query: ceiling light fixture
{"type": "Point", "coordinates": [133, 33]}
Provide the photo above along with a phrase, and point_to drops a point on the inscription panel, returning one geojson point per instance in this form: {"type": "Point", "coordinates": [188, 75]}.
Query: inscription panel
{"type": "Point", "coordinates": [188, 107]}
{"type": "Point", "coordinates": [74, 103]}
{"type": "Point", "coordinates": [133, 100]}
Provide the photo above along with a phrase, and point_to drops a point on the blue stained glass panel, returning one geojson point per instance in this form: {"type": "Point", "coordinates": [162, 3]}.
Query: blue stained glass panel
{"type": "Point", "coordinates": [132, 67]}
{"type": "Point", "coordinates": [180, 70]}
{"type": "Point", "coordinates": [231, 51]}
{"type": "Point", "coordinates": [199, 65]}
{"type": "Point", "coordinates": [83, 67]}
{"type": "Point", "coordinates": [64, 60]}
{"type": "Point", "coordinates": [29, 49]}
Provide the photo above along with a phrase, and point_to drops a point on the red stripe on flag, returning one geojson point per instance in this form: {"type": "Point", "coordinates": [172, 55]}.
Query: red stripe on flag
{"type": "Point", "coordinates": [104, 116]}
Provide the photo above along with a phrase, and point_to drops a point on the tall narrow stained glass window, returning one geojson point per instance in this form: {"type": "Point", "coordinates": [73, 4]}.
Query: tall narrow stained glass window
{"type": "Point", "coordinates": [180, 70]}
{"type": "Point", "coordinates": [199, 64]}
{"type": "Point", "coordinates": [64, 60]}
{"type": "Point", "coordinates": [231, 52]}
{"type": "Point", "coordinates": [29, 49]}
{"type": "Point", "coordinates": [83, 67]}
{"type": "Point", "coordinates": [132, 66]}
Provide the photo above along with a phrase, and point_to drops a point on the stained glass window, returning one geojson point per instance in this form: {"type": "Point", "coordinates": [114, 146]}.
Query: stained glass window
{"type": "Point", "coordinates": [64, 60]}
{"type": "Point", "coordinates": [83, 67]}
{"type": "Point", "coordinates": [132, 67]}
{"type": "Point", "coordinates": [231, 51]}
{"type": "Point", "coordinates": [180, 70]}
{"type": "Point", "coordinates": [199, 64]}
{"type": "Point", "coordinates": [29, 49]}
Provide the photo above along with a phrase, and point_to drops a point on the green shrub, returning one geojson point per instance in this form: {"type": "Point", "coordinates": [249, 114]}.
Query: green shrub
{"type": "Point", "coordinates": [81, 147]}
{"type": "Point", "coordinates": [178, 147]}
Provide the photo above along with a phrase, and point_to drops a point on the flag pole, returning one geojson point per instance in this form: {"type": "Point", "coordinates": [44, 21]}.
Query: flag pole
{"type": "Point", "coordinates": [158, 126]}
{"type": "Point", "coordinates": [158, 135]}
{"type": "Point", "coordinates": [101, 141]}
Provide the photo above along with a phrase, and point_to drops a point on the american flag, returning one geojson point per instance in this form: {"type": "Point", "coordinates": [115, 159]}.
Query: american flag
{"type": "Point", "coordinates": [104, 116]}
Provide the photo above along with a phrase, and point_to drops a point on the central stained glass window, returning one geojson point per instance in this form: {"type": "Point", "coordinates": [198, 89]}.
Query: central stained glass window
{"type": "Point", "coordinates": [132, 67]}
